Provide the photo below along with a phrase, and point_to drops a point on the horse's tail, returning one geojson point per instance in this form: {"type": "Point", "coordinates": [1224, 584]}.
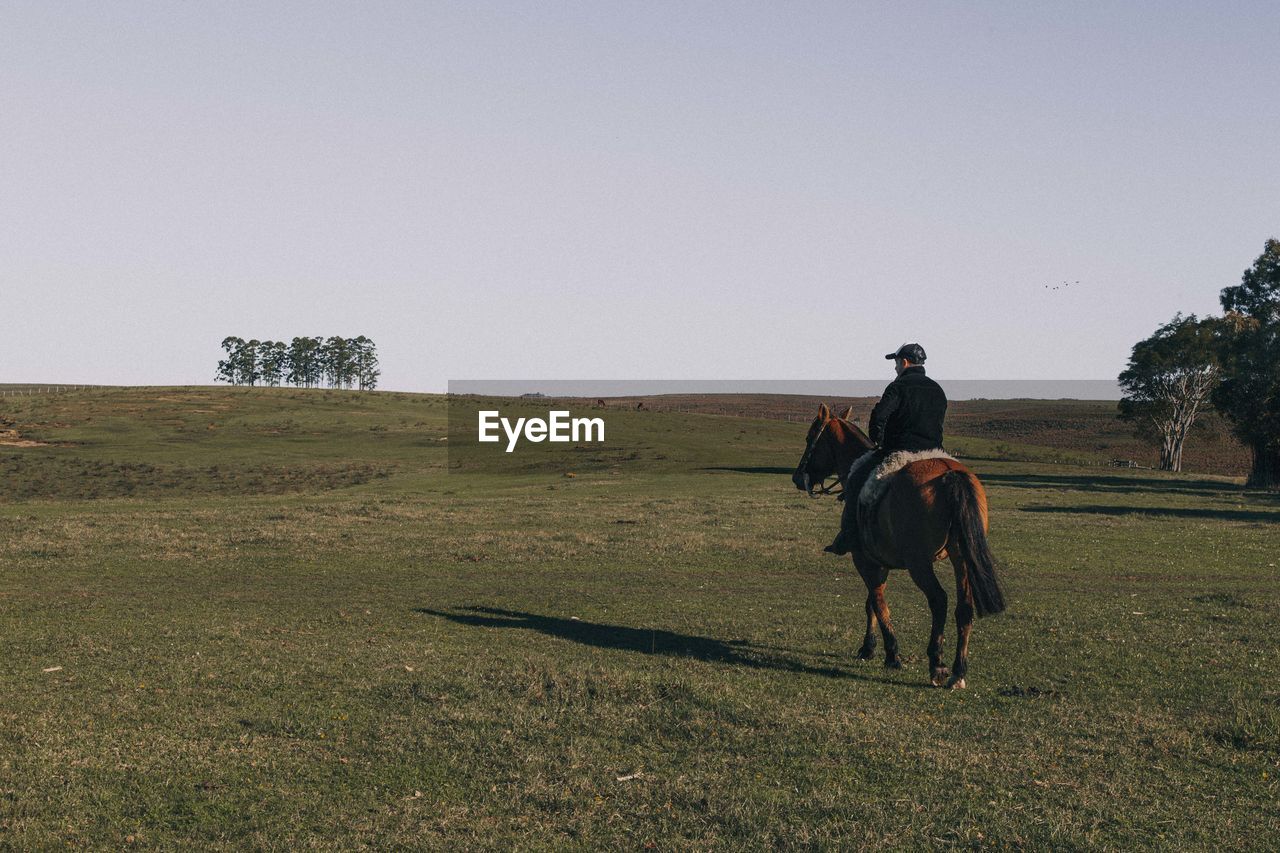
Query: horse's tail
{"type": "Point", "coordinates": [969, 538]}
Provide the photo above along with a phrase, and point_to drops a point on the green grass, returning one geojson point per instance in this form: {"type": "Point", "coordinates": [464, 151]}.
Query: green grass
{"type": "Point", "coordinates": [329, 641]}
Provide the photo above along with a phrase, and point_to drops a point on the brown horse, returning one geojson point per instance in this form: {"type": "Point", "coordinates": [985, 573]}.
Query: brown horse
{"type": "Point", "coordinates": [931, 508]}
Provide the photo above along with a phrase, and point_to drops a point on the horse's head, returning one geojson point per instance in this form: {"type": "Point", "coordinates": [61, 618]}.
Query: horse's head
{"type": "Point", "coordinates": [833, 443]}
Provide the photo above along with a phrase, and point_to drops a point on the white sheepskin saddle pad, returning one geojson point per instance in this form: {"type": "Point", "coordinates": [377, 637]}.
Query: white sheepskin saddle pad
{"type": "Point", "coordinates": [878, 483]}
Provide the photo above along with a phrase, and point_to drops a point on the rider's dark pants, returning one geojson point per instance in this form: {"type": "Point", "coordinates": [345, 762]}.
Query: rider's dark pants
{"type": "Point", "coordinates": [849, 515]}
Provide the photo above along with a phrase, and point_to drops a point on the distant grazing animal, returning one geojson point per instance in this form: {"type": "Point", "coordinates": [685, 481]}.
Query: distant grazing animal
{"type": "Point", "coordinates": [600, 403]}
{"type": "Point", "coordinates": [926, 509]}
{"type": "Point", "coordinates": [640, 406]}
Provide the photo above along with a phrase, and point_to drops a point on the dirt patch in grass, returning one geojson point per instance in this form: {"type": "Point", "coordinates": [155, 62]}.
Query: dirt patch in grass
{"type": "Point", "coordinates": [12, 438]}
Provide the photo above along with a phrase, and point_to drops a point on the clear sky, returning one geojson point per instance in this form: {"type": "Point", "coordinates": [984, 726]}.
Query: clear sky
{"type": "Point", "coordinates": [626, 190]}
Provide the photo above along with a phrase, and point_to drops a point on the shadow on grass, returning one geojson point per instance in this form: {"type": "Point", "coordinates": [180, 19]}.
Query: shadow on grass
{"type": "Point", "coordinates": [767, 470]}
{"type": "Point", "coordinates": [1171, 512]}
{"type": "Point", "coordinates": [648, 641]}
{"type": "Point", "coordinates": [1122, 485]}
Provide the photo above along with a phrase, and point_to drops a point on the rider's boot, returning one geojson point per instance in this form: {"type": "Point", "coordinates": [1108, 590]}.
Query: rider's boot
{"type": "Point", "coordinates": [839, 545]}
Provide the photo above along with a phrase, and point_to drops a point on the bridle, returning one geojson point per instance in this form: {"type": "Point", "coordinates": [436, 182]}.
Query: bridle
{"type": "Point", "coordinates": [823, 487]}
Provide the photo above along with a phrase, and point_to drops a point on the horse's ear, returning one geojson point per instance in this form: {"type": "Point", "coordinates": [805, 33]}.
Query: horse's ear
{"type": "Point", "coordinates": [848, 413]}
{"type": "Point", "coordinates": [824, 412]}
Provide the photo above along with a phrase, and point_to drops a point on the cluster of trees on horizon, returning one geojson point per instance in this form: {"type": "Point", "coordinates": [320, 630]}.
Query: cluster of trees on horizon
{"type": "Point", "coordinates": [1230, 363]}
{"type": "Point", "coordinates": [334, 362]}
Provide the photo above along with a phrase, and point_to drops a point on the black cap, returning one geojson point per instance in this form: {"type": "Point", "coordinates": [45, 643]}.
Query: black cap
{"type": "Point", "coordinates": [913, 353]}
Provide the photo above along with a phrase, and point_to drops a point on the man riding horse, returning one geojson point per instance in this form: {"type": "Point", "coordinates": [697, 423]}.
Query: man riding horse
{"type": "Point", "coordinates": [908, 504]}
{"type": "Point", "coordinates": [908, 417]}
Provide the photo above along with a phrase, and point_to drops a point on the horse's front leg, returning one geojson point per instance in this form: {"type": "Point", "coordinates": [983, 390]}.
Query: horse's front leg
{"type": "Point", "coordinates": [874, 576]}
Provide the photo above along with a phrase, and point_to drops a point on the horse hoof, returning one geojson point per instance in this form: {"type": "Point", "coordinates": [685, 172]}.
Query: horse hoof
{"type": "Point", "coordinates": [939, 676]}
{"type": "Point", "coordinates": [893, 663]}
{"type": "Point", "coordinates": [955, 684]}
{"type": "Point", "coordinates": [866, 653]}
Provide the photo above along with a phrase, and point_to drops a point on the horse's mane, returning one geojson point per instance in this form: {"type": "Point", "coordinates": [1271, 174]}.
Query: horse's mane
{"type": "Point", "coordinates": [856, 431]}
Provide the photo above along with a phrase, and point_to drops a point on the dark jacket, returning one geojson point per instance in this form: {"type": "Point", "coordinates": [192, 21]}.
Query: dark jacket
{"type": "Point", "coordinates": [910, 413]}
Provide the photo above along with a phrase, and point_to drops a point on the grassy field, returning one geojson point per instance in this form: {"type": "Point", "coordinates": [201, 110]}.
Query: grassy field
{"type": "Point", "coordinates": [1076, 431]}
{"type": "Point", "coordinates": [270, 618]}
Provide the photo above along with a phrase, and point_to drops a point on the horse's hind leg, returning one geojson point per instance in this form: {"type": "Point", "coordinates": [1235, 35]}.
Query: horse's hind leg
{"type": "Point", "coordinates": [964, 622]}
{"type": "Point", "coordinates": [869, 638]}
{"type": "Point", "coordinates": [922, 574]}
{"type": "Point", "coordinates": [874, 576]}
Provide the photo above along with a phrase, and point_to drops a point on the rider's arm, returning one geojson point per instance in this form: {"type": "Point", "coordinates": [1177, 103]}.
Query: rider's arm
{"type": "Point", "coordinates": [880, 414]}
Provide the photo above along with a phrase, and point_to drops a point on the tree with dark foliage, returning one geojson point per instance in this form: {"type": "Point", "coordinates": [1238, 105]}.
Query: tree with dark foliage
{"type": "Point", "coordinates": [339, 361]}
{"type": "Point", "coordinates": [305, 367]}
{"type": "Point", "coordinates": [248, 367]}
{"type": "Point", "coordinates": [273, 357]}
{"type": "Point", "coordinates": [1168, 382]}
{"type": "Point", "coordinates": [1249, 394]}
{"type": "Point", "coordinates": [366, 364]}
{"type": "Point", "coordinates": [227, 366]}
{"type": "Point", "coordinates": [241, 366]}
